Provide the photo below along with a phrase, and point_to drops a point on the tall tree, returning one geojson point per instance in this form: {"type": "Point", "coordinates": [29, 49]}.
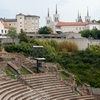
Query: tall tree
{"type": "Point", "coordinates": [22, 36]}
{"type": "Point", "coordinates": [12, 33]}
{"type": "Point", "coordinates": [45, 30]}
{"type": "Point", "coordinates": [85, 33]}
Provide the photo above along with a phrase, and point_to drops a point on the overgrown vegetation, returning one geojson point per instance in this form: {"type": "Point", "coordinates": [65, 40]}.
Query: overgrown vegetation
{"type": "Point", "coordinates": [84, 64]}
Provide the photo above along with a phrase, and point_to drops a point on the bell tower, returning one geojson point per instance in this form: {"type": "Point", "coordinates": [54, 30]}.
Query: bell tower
{"type": "Point", "coordinates": [56, 16]}
{"type": "Point", "coordinates": [48, 19]}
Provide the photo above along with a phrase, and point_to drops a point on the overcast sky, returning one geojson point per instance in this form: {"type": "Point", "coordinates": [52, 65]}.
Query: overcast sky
{"type": "Point", "coordinates": [67, 9]}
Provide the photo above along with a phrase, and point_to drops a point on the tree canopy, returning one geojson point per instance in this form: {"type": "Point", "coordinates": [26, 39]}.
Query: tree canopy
{"type": "Point", "coordinates": [12, 33]}
{"type": "Point", "coordinates": [45, 30]}
{"type": "Point", "coordinates": [94, 33]}
{"type": "Point", "coordinates": [22, 36]}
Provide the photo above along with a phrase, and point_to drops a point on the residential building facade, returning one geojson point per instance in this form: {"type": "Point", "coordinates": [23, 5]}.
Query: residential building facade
{"type": "Point", "coordinates": [29, 23]}
{"type": "Point", "coordinates": [3, 29]}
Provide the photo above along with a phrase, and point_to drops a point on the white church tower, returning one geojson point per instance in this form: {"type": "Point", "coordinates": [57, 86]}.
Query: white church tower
{"type": "Point", "coordinates": [48, 19]}
{"type": "Point", "coordinates": [56, 16]}
{"type": "Point", "coordinates": [56, 19]}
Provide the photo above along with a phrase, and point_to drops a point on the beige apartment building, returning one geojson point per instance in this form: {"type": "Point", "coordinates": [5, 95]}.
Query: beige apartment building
{"type": "Point", "coordinates": [29, 23]}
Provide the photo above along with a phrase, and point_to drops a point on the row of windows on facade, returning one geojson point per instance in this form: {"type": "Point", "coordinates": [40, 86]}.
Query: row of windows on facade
{"type": "Point", "coordinates": [3, 31]}
{"type": "Point", "coordinates": [29, 26]}
{"type": "Point", "coordinates": [32, 29]}
{"type": "Point", "coordinates": [29, 18]}
{"type": "Point", "coordinates": [56, 19]}
{"type": "Point", "coordinates": [74, 28]}
{"type": "Point", "coordinates": [80, 28]}
{"type": "Point", "coordinates": [33, 21]}
{"type": "Point", "coordinates": [48, 21]}
{"type": "Point", "coordinates": [21, 23]}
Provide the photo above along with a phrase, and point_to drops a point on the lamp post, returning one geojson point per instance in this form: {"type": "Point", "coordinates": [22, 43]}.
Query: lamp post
{"type": "Point", "coordinates": [37, 49]}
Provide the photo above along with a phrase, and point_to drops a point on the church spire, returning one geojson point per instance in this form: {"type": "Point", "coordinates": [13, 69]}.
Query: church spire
{"type": "Point", "coordinates": [56, 9]}
{"type": "Point", "coordinates": [87, 11]}
{"type": "Point", "coordinates": [48, 12]}
{"type": "Point", "coordinates": [78, 14]}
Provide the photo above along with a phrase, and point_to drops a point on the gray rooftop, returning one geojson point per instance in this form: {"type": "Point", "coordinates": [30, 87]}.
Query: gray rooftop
{"type": "Point", "coordinates": [31, 16]}
{"type": "Point", "coordinates": [10, 20]}
{"type": "Point", "coordinates": [20, 14]}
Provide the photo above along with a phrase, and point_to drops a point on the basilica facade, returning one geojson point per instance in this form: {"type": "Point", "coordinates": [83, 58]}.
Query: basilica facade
{"type": "Point", "coordinates": [73, 27]}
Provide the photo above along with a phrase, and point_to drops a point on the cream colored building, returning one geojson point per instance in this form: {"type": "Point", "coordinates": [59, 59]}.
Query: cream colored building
{"type": "Point", "coordinates": [74, 27]}
{"type": "Point", "coordinates": [29, 23]}
{"type": "Point", "coordinates": [3, 29]}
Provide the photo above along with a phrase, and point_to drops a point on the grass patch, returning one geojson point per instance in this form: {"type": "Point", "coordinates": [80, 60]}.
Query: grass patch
{"type": "Point", "coordinates": [23, 71]}
{"type": "Point", "coordinates": [64, 75]}
{"type": "Point", "coordinates": [34, 69]}
{"type": "Point", "coordinates": [76, 92]}
{"type": "Point", "coordinates": [9, 60]}
{"type": "Point", "coordinates": [9, 72]}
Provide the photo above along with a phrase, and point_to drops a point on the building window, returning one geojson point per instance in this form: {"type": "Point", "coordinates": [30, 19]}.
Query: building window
{"type": "Point", "coordinates": [36, 28]}
{"type": "Point", "coordinates": [5, 31]}
{"type": "Point", "coordinates": [36, 21]}
{"type": "Point", "coordinates": [76, 28]}
{"type": "Point", "coordinates": [20, 25]}
{"type": "Point", "coordinates": [33, 22]}
{"type": "Point", "coordinates": [9, 24]}
{"type": "Point", "coordinates": [20, 18]}
{"type": "Point", "coordinates": [94, 26]}
{"type": "Point", "coordinates": [33, 28]}
{"type": "Point", "coordinates": [2, 31]}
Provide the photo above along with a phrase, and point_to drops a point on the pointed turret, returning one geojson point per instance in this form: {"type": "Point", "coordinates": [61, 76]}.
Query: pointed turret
{"type": "Point", "coordinates": [87, 18]}
{"type": "Point", "coordinates": [48, 12]}
{"type": "Point", "coordinates": [87, 12]}
{"type": "Point", "coordinates": [56, 9]}
{"type": "Point", "coordinates": [78, 15]}
{"type": "Point", "coordinates": [80, 19]}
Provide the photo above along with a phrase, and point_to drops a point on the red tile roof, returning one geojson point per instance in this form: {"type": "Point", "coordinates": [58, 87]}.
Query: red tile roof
{"type": "Point", "coordinates": [71, 23]}
{"type": "Point", "coordinates": [6, 25]}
